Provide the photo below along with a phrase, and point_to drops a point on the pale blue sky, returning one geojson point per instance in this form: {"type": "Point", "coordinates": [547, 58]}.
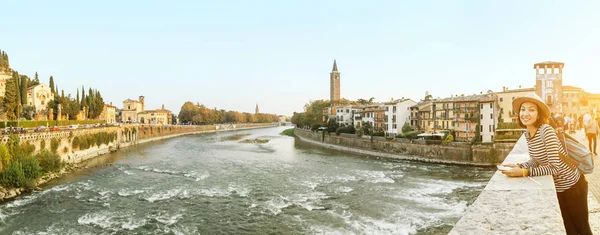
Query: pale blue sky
{"type": "Point", "coordinates": [234, 54]}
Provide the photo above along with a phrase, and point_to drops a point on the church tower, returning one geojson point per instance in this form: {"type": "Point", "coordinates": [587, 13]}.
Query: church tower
{"type": "Point", "coordinates": [334, 85]}
{"type": "Point", "coordinates": [256, 109]}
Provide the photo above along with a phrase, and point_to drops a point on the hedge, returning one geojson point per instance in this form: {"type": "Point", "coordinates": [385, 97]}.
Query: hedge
{"type": "Point", "coordinates": [32, 124]}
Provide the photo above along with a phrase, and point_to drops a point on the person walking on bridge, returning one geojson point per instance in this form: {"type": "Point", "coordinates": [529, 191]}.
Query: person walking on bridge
{"type": "Point", "coordinates": [591, 130]}
{"type": "Point", "coordinates": [546, 158]}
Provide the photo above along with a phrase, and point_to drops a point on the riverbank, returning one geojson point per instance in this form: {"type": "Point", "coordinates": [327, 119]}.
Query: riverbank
{"type": "Point", "coordinates": [405, 149]}
{"type": "Point", "coordinates": [79, 157]}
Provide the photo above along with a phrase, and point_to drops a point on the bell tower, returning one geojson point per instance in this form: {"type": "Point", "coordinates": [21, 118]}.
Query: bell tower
{"type": "Point", "coordinates": [334, 83]}
{"type": "Point", "coordinates": [548, 83]}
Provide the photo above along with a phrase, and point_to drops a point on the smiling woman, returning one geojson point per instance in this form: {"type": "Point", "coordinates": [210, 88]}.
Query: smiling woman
{"type": "Point", "coordinates": [547, 154]}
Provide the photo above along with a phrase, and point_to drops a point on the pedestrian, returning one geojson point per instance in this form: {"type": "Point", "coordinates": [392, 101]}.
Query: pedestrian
{"type": "Point", "coordinates": [591, 130]}
{"type": "Point", "coordinates": [545, 159]}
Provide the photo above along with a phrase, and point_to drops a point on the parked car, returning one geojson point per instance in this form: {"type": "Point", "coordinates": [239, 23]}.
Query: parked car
{"type": "Point", "coordinates": [6, 131]}
{"type": "Point", "coordinates": [40, 129]}
{"type": "Point", "coordinates": [19, 130]}
{"type": "Point", "coordinates": [55, 128]}
{"type": "Point", "coordinates": [73, 127]}
{"type": "Point", "coordinates": [87, 126]}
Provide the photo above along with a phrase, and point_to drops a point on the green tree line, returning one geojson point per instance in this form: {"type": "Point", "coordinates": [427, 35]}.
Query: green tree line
{"type": "Point", "coordinates": [199, 114]}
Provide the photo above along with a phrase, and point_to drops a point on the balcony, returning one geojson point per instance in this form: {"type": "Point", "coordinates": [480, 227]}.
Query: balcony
{"type": "Point", "coordinates": [466, 109]}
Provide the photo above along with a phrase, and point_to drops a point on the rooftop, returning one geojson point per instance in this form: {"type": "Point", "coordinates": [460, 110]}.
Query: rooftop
{"type": "Point", "coordinates": [541, 64]}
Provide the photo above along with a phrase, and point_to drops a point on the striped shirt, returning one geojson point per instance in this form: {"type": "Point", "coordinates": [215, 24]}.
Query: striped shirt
{"type": "Point", "coordinates": [546, 161]}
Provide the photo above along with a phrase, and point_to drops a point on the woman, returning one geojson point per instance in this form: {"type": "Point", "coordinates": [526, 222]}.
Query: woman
{"type": "Point", "coordinates": [591, 129]}
{"type": "Point", "coordinates": [571, 186]}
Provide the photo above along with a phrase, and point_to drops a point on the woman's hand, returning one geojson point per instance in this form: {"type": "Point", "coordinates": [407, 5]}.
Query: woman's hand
{"type": "Point", "coordinates": [510, 165]}
{"type": "Point", "coordinates": [514, 172]}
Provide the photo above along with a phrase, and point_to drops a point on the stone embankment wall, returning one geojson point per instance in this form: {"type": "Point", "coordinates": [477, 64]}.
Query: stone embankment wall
{"type": "Point", "coordinates": [126, 135]}
{"type": "Point", "coordinates": [454, 153]}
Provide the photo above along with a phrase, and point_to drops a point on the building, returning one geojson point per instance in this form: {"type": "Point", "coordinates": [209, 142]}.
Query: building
{"type": "Point", "coordinates": [131, 108]}
{"type": "Point", "coordinates": [443, 114]}
{"type": "Point", "coordinates": [397, 113]}
{"type": "Point", "coordinates": [3, 80]}
{"type": "Point", "coordinates": [575, 101]}
{"type": "Point", "coordinates": [334, 83]}
{"type": "Point", "coordinates": [548, 84]}
{"type": "Point", "coordinates": [38, 96]}
{"type": "Point", "coordinates": [488, 121]}
{"type": "Point", "coordinates": [504, 100]}
{"type": "Point", "coordinates": [345, 115]}
{"type": "Point", "coordinates": [421, 116]}
{"type": "Point", "coordinates": [109, 113]}
{"type": "Point", "coordinates": [467, 117]}
{"type": "Point", "coordinates": [371, 114]}
{"type": "Point", "coordinates": [594, 104]}
{"type": "Point", "coordinates": [159, 116]}
{"type": "Point", "coordinates": [256, 111]}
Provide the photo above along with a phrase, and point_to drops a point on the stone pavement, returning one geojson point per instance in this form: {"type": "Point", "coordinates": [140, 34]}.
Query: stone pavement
{"type": "Point", "coordinates": [593, 185]}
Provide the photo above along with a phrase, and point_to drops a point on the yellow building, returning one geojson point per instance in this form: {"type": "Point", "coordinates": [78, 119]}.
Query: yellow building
{"type": "Point", "coordinates": [131, 108]}
{"type": "Point", "coordinates": [159, 116]}
{"type": "Point", "coordinates": [505, 98]}
{"type": "Point", "coordinates": [108, 113]}
{"type": "Point", "coordinates": [443, 114]}
{"type": "Point", "coordinates": [38, 96]}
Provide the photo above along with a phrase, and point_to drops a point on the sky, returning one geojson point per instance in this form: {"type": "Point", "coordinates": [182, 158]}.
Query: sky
{"type": "Point", "coordinates": [234, 55]}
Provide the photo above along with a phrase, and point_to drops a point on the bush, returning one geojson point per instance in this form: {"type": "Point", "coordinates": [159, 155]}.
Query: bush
{"type": "Point", "coordinates": [13, 175]}
{"type": "Point", "coordinates": [76, 141]}
{"type": "Point", "coordinates": [359, 132]}
{"type": "Point", "coordinates": [42, 145]}
{"type": "Point", "coordinates": [378, 133]}
{"type": "Point", "coordinates": [315, 126]}
{"type": "Point", "coordinates": [54, 144]}
{"type": "Point", "coordinates": [27, 149]}
{"type": "Point", "coordinates": [345, 129]}
{"type": "Point", "coordinates": [31, 167]}
{"type": "Point", "coordinates": [49, 162]}
{"type": "Point", "coordinates": [411, 135]}
{"type": "Point", "coordinates": [5, 157]}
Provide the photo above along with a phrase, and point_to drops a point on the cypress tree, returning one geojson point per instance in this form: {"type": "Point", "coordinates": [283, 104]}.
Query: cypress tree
{"type": "Point", "coordinates": [36, 80]}
{"type": "Point", "coordinates": [24, 85]}
{"type": "Point", "coordinates": [10, 99]}
{"type": "Point", "coordinates": [78, 104]}
{"type": "Point", "coordinates": [51, 84]}
{"type": "Point", "coordinates": [83, 103]}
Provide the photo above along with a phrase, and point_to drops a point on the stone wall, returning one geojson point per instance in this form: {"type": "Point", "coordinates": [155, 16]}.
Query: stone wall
{"type": "Point", "coordinates": [456, 152]}
{"type": "Point", "coordinates": [514, 205]}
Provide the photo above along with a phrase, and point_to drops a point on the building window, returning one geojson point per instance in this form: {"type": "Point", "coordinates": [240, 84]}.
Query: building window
{"type": "Point", "coordinates": [491, 117]}
{"type": "Point", "coordinates": [501, 99]}
{"type": "Point", "coordinates": [490, 105]}
{"type": "Point", "coordinates": [481, 116]}
{"type": "Point", "coordinates": [394, 109]}
{"type": "Point", "coordinates": [490, 128]}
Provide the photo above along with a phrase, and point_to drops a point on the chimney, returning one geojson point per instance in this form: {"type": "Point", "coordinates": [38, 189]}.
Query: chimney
{"type": "Point", "coordinates": [481, 92]}
{"type": "Point", "coordinates": [111, 103]}
{"type": "Point", "coordinates": [163, 106]}
{"type": "Point", "coordinates": [519, 86]}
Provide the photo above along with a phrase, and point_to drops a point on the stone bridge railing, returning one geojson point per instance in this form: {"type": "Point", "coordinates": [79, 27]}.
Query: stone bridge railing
{"type": "Point", "coordinates": [514, 205]}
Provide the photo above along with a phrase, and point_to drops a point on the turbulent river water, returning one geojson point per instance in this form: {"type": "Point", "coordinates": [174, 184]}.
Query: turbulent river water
{"type": "Point", "coordinates": [219, 184]}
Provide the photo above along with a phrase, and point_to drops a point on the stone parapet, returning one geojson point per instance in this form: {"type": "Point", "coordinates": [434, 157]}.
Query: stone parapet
{"type": "Point", "coordinates": [514, 205]}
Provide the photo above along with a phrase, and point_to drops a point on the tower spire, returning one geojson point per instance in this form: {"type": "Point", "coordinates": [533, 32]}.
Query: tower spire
{"type": "Point", "coordinates": [334, 66]}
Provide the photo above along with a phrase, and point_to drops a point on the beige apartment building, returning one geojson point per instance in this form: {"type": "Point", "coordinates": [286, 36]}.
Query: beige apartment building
{"type": "Point", "coordinates": [108, 113]}
{"type": "Point", "coordinates": [505, 98]}
{"type": "Point", "coordinates": [159, 116]}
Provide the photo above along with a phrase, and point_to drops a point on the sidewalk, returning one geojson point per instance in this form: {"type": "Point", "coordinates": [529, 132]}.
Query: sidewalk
{"type": "Point", "coordinates": [593, 185]}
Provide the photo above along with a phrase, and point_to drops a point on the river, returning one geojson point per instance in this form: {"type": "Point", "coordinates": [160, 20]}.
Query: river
{"type": "Point", "coordinates": [217, 184]}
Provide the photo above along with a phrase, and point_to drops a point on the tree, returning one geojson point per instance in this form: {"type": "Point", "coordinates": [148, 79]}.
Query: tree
{"type": "Point", "coordinates": [83, 98]}
{"type": "Point", "coordinates": [51, 85]}
{"type": "Point", "coordinates": [36, 79]}
{"type": "Point", "coordinates": [406, 128]}
{"type": "Point", "coordinates": [11, 98]}
{"type": "Point", "coordinates": [78, 103]}
{"type": "Point", "coordinates": [188, 112]}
